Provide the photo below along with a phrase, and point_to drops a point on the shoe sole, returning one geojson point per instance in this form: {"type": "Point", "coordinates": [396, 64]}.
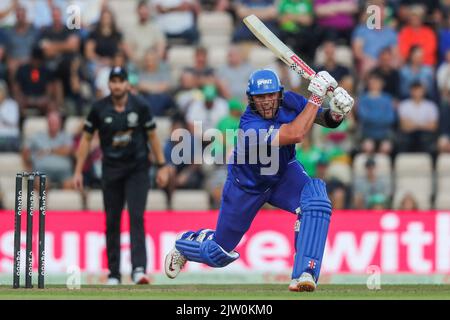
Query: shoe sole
{"type": "Point", "coordinates": [303, 287]}
{"type": "Point", "coordinates": [166, 264]}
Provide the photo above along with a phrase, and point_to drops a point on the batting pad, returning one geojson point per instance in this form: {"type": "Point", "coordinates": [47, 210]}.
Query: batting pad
{"type": "Point", "coordinates": [201, 247]}
{"type": "Point", "coordinates": [316, 213]}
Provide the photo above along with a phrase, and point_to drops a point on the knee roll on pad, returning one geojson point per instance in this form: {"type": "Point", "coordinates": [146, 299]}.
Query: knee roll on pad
{"type": "Point", "coordinates": [316, 213]}
{"type": "Point", "coordinates": [201, 247]}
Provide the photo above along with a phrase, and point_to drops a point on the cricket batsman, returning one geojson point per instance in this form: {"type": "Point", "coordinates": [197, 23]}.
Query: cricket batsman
{"type": "Point", "coordinates": [286, 118]}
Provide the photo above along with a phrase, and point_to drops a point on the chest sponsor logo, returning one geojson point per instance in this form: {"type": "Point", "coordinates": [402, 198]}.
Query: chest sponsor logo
{"type": "Point", "coordinates": [108, 120]}
{"type": "Point", "coordinates": [132, 119]}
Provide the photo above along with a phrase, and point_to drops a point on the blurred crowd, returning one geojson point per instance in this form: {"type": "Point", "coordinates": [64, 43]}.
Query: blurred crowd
{"type": "Point", "coordinates": [392, 56]}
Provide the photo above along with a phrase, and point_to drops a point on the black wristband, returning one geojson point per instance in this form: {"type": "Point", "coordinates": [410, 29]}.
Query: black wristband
{"type": "Point", "coordinates": [330, 122]}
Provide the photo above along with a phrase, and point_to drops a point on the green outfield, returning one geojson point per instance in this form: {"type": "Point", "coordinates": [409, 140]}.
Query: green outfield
{"type": "Point", "coordinates": [225, 292]}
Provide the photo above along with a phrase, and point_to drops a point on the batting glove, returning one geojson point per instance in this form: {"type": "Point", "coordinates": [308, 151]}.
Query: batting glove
{"type": "Point", "coordinates": [320, 85]}
{"type": "Point", "coordinates": [341, 103]}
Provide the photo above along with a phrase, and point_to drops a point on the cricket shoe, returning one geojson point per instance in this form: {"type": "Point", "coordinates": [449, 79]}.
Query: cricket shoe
{"type": "Point", "coordinates": [112, 282]}
{"type": "Point", "coordinates": [139, 276]}
{"type": "Point", "coordinates": [174, 262]}
{"type": "Point", "coordinates": [304, 283]}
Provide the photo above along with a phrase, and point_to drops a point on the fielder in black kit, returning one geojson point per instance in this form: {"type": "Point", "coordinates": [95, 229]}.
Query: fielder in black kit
{"type": "Point", "coordinates": [125, 126]}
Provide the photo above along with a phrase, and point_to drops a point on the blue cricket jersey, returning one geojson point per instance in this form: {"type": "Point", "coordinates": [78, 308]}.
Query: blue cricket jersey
{"type": "Point", "coordinates": [248, 174]}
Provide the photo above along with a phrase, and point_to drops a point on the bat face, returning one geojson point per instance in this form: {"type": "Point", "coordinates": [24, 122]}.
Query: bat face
{"type": "Point", "coordinates": [283, 52]}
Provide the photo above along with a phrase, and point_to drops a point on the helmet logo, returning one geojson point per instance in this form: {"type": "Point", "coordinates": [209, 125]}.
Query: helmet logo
{"type": "Point", "coordinates": [261, 82]}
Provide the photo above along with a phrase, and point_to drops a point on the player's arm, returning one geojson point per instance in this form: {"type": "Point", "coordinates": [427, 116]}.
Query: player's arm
{"type": "Point", "coordinates": [162, 176]}
{"type": "Point", "coordinates": [81, 155]}
{"type": "Point", "coordinates": [295, 131]}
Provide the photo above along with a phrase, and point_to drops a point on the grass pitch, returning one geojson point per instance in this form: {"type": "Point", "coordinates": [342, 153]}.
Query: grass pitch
{"type": "Point", "coordinates": [229, 292]}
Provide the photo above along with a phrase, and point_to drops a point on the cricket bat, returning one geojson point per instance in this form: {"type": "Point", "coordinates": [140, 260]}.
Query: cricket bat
{"type": "Point", "coordinates": [282, 51]}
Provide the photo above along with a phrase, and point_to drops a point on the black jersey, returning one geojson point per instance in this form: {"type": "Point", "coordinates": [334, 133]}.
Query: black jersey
{"type": "Point", "coordinates": [123, 135]}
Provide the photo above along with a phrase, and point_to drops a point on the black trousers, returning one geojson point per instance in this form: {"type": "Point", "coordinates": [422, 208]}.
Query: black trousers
{"type": "Point", "coordinates": [125, 185]}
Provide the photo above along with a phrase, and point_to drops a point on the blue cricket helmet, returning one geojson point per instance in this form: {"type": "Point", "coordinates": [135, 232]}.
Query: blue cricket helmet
{"type": "Point", "coordinates": [261, 82]}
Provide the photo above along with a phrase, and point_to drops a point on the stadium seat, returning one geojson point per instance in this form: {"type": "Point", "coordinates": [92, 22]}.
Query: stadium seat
{"type": "Point", "coordinates": [213, 41]}
{"type": "Point", "coordinates": [340, 171]}
{"type": "Point", "coordinates": [180, 56]}
{"type": "Point", "coordinates": [217, 56]}
{"type": "Point", "coordinates": [33, 125]}
{"type": "Point", "coordinates": [261, 57]}
{"type": "Point", "coordinates": [382, 164]}
{"type": "Point", "coordinates": [94, 200]}
{"type": "Point", "coordinates": [156, 200]}
{"type": "Point", "coordinates": [217, 23]}
{"type": "Point", "coordinates": [64, 200]}
{"type": "Point", "coordinates": [73, 125]}
{"type": "Point", "coordinates": [163, 127]}
{"type": "Point", "coordinates": [190, 200]}
{"type": "Point", "coordinates": [10, 164]}
{"type": "Point", "coordinates": [423, 200]}
{"type": "Point", "coordinates": [442, 200]}
{"type": "Point", "coordinates": [9, 198]}
{"type": "Point", "coordinates": [443, 174]}
{"type": "Point", "coordinates": [344, 56]}
{"type": "Point", "coordinates": [414, 171]}
{"type": "Point", "coordinates": [216, 28]}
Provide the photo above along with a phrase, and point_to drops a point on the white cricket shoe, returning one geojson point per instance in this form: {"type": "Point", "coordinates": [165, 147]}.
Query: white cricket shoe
{"type": "Point", "coordinates": [112, 282]}
{"type": "Point", "coordinates": [174, 262]}
{"type": "Point", "coordinates": [304, 283]}
{"type": "Point", "coordinates": [139, 276]}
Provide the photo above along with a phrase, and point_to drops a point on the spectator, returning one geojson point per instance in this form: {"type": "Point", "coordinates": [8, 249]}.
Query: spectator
{"type": "Point", "coordinates": [235, 72]}
{"type": "Point", "coordinates": [443, 79]}
{"type": "Point", "coordinates": [9, 121]}
{"type": "Point", "coordinates": [296, 19]}
{"type": "Point", "coordinates": [309, 154]}
{"type": "Point", "coordinates": [7, 8]}
{"type": "Point", "coordinates": [3, 63]}
{"type": "Point", "coordinates": [50, 152]}
{"type": "Point", "coordinates": [215, 5]}
{"type": "Point", "coordinates": [177, 19]}
{"type": "Point", "coordinates": [34, 84]}
{"type": "Point", "coordinates": [377, 202]}
{"type": "Point", "coordinates": [418, 34]}
{"type": "Point", "coordinates": [365, 187]}
{"type": "Point", "coordinates": [444, 39]}
{"type": "Point", "coordinates": [208, 112]}
{"type": "Point", "coordinates": [389, 74]}
{"type": "Point", "coordinates": [21, 38]}
{"type": "Point", "coordinates": [228, 124]}
{"type": "Point", "coordinates": [58, 43]}
{"type": "Point", "coordinates": [104, 41]}
{"type": "Point", "coordinates": [154, 83]}
{"type": "Point", "coordinates": [205, 73]}
{"type": "Point", "coordinates": [368, 43]}
{"type": "Point", "coordinates": [336, 17]}
{"type": "Point", "coordinates": [144, 34]}
{"type": "Point", "coordinates": [416, 70]}
{"type": "Point", "coordinates": [336, 70]}
{"type": "Point", "coordinates": [337, 191]}
{"type": "Point", "coordinates": [418, 122]}
{"type": "Point", "coordinates": [408, 202]}
{"type": "Point", "coordinates": [188, 91]}
{"type": "Point", "coordinates": [102, 78]}
{"type": "Point", "coordinates": [376, 116]}
{"type": "Point", "coordinates": [183, 175]}
{"type": "Point", "coordinates": [443, 143]}
{"type": "Point", "coordinates": [263, 9]}
{"type": "Point", "coordinates": [223, 148]}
